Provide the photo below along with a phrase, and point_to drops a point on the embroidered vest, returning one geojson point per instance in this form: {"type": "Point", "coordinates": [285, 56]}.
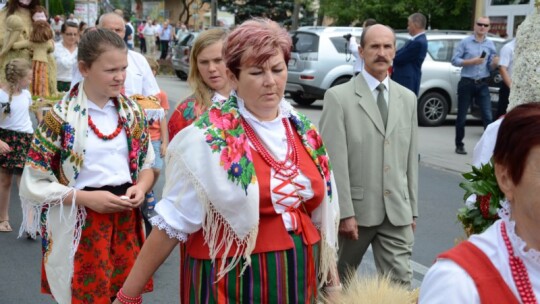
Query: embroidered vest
{"type": "Point", "coordinates": [272, 234]}
{"type": "Point", "coordinates": [490, 285]}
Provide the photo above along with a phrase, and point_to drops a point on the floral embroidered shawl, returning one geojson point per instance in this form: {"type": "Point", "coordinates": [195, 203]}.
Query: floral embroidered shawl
{"type": "Point", "coordinates": [215, 156]}
{"type": "Point", "coordinates": [53, 164]}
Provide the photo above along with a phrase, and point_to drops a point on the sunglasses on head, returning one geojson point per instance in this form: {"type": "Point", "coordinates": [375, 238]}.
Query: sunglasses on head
{"type": "Point", "coordinates": [482, 24]}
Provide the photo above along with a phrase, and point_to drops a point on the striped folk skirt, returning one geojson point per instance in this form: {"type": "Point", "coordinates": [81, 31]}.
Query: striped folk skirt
{"type": "Point", "coordinates": [273, 277]}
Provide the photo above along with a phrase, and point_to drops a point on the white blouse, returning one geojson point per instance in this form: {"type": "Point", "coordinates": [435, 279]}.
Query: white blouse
{"type": "Point", "coordinates": [106, 162]}
{"type": "Point", "coordinates": [186, 217]}
{"type": "Point", "coordinates": [446, 282]}
{"type": "Point", "coordinates": [65, 60]}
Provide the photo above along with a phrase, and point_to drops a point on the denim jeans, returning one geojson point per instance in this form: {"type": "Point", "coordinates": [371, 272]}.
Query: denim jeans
{"type": "Point", "coordinates": [469, 90]}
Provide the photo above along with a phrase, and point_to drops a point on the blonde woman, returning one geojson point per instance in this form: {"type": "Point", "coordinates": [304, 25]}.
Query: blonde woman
{"type": "Point", "coordinates": [207, 77]}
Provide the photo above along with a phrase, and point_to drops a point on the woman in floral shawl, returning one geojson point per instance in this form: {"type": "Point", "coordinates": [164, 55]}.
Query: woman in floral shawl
{"type": "Point", "coordinates": [249, 189]}
{"type": "Point", "coordinates": [87, 171]}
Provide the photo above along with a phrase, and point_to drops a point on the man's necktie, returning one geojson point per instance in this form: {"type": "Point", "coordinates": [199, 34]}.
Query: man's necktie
{"type": "Point", "coordinates": [381, 103]}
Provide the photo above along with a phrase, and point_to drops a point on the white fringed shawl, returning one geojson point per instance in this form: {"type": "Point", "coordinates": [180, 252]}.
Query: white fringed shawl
{"type": "Point", "coordinates": [214, 155]}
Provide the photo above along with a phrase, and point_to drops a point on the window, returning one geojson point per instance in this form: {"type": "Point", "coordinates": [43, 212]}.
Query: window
{"type": "Point", "coordinates": [440, 50]}
{"type": "Point", "coordinates": [305, 43]}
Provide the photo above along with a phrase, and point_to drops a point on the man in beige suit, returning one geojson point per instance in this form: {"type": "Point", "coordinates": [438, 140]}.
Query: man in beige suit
{"type": "Point", "coordinates": [371, 138]}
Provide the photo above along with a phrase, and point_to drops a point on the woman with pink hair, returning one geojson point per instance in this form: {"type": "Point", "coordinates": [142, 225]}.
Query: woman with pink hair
{"type": "Point", "coordinates": [248, 189]}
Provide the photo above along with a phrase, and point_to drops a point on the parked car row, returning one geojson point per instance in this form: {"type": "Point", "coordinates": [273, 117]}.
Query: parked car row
{"type": "Point", "coordinates": [320, 59]}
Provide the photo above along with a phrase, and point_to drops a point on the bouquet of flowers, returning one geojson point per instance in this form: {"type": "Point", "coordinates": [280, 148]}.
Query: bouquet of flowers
{"type": "Point", "coordinates": [482, 199]}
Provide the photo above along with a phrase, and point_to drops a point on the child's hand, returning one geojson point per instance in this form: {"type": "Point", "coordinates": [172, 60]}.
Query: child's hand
{"type": "Point", "coordinates": [4, 148]}
{"type": "Point", "coordinates": [163, 149]}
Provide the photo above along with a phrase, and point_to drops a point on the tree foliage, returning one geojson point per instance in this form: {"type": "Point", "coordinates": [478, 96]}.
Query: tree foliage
{"type": "Point", "coordinates": [55, 7]}
{"type": "Point", "coordinates": [441, 14]}
{"type": "Point", "coordinates": [280, 11]}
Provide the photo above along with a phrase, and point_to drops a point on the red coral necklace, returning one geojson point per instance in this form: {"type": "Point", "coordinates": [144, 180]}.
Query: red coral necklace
{"type": "Point", "coordinates": [288, 167]}
{"type": "Point", "coordinates": [519, 271]}
{"type": "Point", "coordinates": [113, 134]}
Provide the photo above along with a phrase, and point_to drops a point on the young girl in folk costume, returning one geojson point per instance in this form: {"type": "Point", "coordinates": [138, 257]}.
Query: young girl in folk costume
{"type": "Point", "coordinates": [41, 43]}
{"type": "Point", "coordinates": [15, 130]}
{"type": "Point", "coordinates": [88, 169]}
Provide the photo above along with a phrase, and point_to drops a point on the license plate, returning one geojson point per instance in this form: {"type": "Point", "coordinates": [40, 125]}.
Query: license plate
{"type": "Point", "coordinates": [494, 97]}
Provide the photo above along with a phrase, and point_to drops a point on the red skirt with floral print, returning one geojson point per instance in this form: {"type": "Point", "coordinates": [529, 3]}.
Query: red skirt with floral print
{"type": "Point", "coordinates": [108, 248]}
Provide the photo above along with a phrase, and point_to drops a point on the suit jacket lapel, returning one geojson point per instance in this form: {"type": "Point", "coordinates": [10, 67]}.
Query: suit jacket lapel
{"type": "Point", "coordinates": [395, 106]}
{"type": "Point", "coordinates": [367, 102]}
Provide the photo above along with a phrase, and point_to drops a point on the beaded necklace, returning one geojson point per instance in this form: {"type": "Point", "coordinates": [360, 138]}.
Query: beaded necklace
{"type": "Point", "coordinates": [288, 167]}
{"type": "Point", "coordinates": [113, 134]}
{"type": "Point", "coordinates": [519, 271]}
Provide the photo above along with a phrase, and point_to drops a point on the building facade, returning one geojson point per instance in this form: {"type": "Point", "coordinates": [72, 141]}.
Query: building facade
{"type": "Point", "coordinates": [505, 15]}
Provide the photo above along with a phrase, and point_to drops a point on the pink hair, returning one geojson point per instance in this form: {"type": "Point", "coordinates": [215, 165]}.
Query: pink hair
{"type": "Point", "coordinates": [254, 42]}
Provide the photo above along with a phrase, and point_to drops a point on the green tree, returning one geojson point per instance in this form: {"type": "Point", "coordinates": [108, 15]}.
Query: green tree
{"type": "Point", "coordinates": [69, 6]}
{"type": "Point", "coordinates": [441, 14]}
{"type": "Point", "coordinates": [55, 7]}
{"type": "Point", "coordinates": [280, 11]}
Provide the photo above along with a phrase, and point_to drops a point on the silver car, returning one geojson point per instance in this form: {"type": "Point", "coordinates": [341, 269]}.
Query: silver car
{"type": "Point", "coordinates": [180, 54]}
{"type": "Point", "coordinates": [438, 87]}
{"type": "Point", "coordinates": [320, 59]}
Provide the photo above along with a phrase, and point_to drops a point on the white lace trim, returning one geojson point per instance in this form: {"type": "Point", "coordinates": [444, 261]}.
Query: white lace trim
{"type": "Point", "coordinates": [285, 108]}
{"type": "Point", "coordinates": [518, 243]}
{"type": "Point", "coordinates": [159, 222]}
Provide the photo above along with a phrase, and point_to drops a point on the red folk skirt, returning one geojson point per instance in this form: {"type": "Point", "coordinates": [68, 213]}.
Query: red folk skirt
{"type": "Point", "coordinates": [108, 248]}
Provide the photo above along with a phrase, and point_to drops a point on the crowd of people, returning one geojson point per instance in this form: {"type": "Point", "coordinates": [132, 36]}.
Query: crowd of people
{"type": "Point", "coordinates": [265, 208]}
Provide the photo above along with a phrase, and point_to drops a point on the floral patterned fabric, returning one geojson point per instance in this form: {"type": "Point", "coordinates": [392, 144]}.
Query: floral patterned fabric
{"type": "Point", "coordinates": [19, 143]}
{"type": "Point", "coordinates": [226, 136]}
{"type": "Point", "coordinates": [184, 114]}
{"type": "Point", "coordinates": [54, 162]}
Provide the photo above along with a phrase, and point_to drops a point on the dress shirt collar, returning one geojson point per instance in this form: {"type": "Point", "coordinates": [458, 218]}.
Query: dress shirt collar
{"type": "Point", "coordinates": [93, 106]}
{"type": "Point", "coordinates": [415, 36]}
{"type": "Point", "coordinates": [373, 82]}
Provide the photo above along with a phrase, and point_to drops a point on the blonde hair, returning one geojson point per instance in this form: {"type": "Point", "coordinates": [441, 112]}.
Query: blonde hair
{"type": "Point", "coordinates": [202, 92]}
{"type": "Point", "coordinates": [16, 69]}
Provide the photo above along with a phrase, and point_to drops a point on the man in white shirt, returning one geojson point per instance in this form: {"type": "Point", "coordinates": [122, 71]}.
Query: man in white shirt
{"type": "Point", "coordinates": [354, 47]}
{"type": "Point", "coordinates": [139, 76]}
{"type": "Point", "coordinates": [505, 69]}
{"type": "Point", "coordinates": [72, 19]}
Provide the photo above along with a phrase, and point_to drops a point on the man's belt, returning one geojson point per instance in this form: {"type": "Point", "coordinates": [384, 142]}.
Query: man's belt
{"type": "Point", "coordinates": [476, 81]}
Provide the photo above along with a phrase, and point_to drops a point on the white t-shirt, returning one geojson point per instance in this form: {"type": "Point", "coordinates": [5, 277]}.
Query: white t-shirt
{"type": "Point", "coordinates": [139, 76]}
{"type": "Point", "coordinates": [65, 61]}
{"type": "Point", "coordinates": [19, 118]}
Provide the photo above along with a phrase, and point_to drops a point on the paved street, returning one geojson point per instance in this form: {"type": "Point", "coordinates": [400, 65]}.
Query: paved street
{"type": "Point", "coordinates": [439, 198]}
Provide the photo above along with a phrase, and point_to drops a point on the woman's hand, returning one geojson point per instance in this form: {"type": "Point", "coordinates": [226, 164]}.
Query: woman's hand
{"type": "Point", "coordinates": [103, 201]}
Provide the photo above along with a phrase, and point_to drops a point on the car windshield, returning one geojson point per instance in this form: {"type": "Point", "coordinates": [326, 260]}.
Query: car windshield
{"type": "Point", "coordinates": [305, 42]}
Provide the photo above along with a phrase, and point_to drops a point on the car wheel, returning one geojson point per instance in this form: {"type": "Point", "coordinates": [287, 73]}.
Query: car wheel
{"type": "Point", "coordinates": [302, 100]}
{"type": "Point", "coordinates": [181, 75]}
{"type": "Point", "coordinates": [432, 109]}
{"type": "Point", "coordinates": [340, 81]}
